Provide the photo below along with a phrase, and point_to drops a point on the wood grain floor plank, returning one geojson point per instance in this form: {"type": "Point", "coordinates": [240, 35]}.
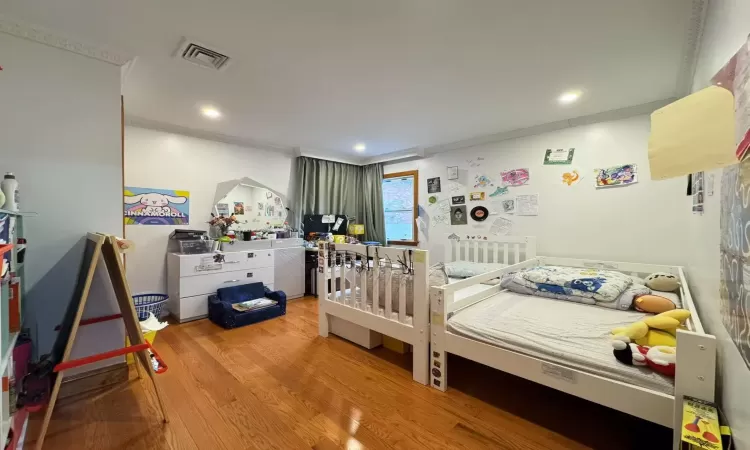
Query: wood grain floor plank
{"type": "Point", "coordinates": [277, 384]}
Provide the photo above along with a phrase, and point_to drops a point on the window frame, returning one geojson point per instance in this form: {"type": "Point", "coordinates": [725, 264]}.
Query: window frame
{"type": "Point", "coordinates": [407, 173]}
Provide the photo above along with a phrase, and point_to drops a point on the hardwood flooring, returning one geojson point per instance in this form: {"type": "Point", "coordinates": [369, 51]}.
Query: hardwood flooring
{"type": "Point", "coordinates": [278, 384]}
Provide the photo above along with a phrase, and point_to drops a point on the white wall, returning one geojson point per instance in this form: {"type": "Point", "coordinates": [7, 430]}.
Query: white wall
{"type": "Point", "coordinates": [634, 223]}
{"type": "Point", "coordinates": [60, 128]}
{"type": "Point", "coordinates": [155, 159]}
{"type": "Point", "coordinates": [726, 29]}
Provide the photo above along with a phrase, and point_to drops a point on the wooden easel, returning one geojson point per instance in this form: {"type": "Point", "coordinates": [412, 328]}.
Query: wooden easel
{"type": "Point", "coordinates": [98, 244]}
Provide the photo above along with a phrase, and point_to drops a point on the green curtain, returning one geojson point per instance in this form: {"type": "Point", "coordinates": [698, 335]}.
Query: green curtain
{"type": "Point", "coordinates": [327, 187]}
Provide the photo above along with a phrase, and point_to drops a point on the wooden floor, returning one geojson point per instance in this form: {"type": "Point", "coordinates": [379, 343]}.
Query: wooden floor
{"type": "Point", "coordinates": [278, 384]}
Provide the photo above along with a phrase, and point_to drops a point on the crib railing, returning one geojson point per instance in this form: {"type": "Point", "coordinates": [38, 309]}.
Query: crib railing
{"type": "Point", "coordinates": [502, 250]}
{"type": "Point", "coordinates": [351, 275]}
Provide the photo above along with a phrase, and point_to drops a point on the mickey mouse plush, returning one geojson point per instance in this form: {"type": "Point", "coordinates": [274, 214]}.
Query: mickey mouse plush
{"type": "Point", "coordinates": [660, 358]}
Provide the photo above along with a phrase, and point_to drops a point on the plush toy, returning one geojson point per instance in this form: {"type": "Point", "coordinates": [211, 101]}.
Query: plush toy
{"type": "Point", "coordinates": [661, 358]}
{"type": "Point", "coordinates": [662, 281]}
{"type": "Point", "coordinates": [655, 304]}
{"type": "Point", "coordinates": [653, 330]}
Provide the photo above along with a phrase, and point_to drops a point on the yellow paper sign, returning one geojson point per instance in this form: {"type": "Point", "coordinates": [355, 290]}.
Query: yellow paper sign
{"type": "Point", "coordinates": [693, 134]}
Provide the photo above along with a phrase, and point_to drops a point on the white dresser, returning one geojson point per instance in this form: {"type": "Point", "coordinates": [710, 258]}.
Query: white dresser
{"type": "Point", "coordinates": [278, 264]}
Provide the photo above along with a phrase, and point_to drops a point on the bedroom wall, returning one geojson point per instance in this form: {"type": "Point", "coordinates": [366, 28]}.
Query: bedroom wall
{"type": "Point", "coordinates": [60, 128]}
{"type": "Point", "coordinates": [157, 159]}
{"type": "Point", "coordinates": [726, 28]}
{"type": "Point", "coordinates": [633, 223]}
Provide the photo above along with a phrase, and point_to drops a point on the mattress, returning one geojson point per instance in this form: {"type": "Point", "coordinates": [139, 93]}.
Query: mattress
{"type": "Point", "coordinates": [570, 334]}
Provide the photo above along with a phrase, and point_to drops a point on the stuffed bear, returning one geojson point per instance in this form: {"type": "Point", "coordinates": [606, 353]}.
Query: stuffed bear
{"type": "Point", "coordinates": [662, 281]}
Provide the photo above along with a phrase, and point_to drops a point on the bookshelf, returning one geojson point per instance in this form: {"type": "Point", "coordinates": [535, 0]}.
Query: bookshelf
{"type": "Point", "coordinates": [13, 362]}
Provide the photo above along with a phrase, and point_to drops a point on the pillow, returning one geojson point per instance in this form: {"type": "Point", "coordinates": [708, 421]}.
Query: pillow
{"type": "Point", "coordinates": [661, 281]}
{"type": "Point", "coordinates": [437, 276]}
{"type": "Point", "coordinates": [468, 269]}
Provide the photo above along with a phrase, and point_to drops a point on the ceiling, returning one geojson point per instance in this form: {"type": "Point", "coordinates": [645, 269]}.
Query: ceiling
{"type": "Point", "coordinates": [395, 74]}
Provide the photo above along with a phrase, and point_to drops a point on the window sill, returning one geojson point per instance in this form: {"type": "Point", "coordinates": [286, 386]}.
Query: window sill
{"type": "Point", "coordinates": [409, 243]}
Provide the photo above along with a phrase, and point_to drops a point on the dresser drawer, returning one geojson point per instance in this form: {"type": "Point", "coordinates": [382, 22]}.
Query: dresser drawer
{"type": "Point", "coordinates": [189, 308]}
{"type": "Point", "coordinates": [193, 265]}
{"type": "Point", "coordinates": [209, 283]}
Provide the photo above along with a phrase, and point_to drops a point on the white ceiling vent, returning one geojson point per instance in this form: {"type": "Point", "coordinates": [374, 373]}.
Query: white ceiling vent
{"type": "Point", "coordinates": [195, 52]}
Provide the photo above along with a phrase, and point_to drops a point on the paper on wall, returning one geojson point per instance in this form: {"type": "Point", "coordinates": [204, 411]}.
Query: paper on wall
{"type": "Point", "coordinates": [328, 218]}
{"type": "Point", "coordinates": [501, 226]}
{"type": "Point", "coordinates": [692, 134]}
{"type": "Point", "coordinates": [527, 205]}
{"type": "Point", "coordinates": [509, 206]}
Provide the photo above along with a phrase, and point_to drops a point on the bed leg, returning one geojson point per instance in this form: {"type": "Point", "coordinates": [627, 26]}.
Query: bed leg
{"type": "Point", "coordinates": [421, 361]}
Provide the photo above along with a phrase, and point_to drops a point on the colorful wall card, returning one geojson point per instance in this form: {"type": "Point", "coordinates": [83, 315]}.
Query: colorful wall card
{"type": "Point", "coordinates": [239, 208]}
{"type": "Point", "coordinates": [482, 181]}
{"type": "Point", "coordinates": [624, 175]}
{"type": "Point", "coordinates": [476, 196]}
{"type": "Point", "coordinates": [433, 185]}
{"type": "Point", "coordinates": [500, 191]}
{"type": "Point", "coordinates": [148, 206]}
{"type": "Point", "coordinates": [515, 177]}
{"type": "Point", "coordinates": [559, 156]}
{"type": "Point", "coordinates": [222, 209]}
{"type": "Point", "coordinates": [527, 205]}
{"type": "Point", "coordinates": [458, 215]}
{"type": "Point", "coordinates": [571, 178]}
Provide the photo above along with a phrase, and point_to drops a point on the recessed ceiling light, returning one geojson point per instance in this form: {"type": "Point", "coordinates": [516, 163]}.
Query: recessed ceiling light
{"type": "Point", "coordinates": [569, 97]}
{"type": "Point", "coordinates": [360, 147]}
{"type": "Point", "coordinates": [211, 112]}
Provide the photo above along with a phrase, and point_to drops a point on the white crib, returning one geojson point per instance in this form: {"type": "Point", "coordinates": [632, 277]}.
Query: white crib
{"type": "Point", "coordinates": [342, 292]}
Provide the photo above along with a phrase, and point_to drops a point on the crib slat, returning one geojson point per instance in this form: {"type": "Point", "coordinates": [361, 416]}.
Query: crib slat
{"type": "Point", "coordinates": [388, 288]}
{"type": "Point", "coordinates": [335, 276]}
{"type": "Point", "coordinates": [402, 299]}
{"type": "Point", "coordinates": [344, 274]}
{"type": "Point", "coordinates": [465, 256]}
{"type": "Point", "coordinates": [497, 252]}
{"type": "Point", "coordinates": [518, 253]}
{"type": "Point", "coordinates": [476, 252]}
{"type": "Point", "coordinates": [375, 286]}
{"type": "Point", "coordinates": [362, 288]}
{"type": "Point", "coordinates": [505, 253]}
{"type": "Point", "coordinates": [354, 283]}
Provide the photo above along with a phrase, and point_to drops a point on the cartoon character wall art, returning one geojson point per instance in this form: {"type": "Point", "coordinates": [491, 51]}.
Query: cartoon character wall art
{"type": "Point", "coordinates": [571, 178]}
{"type": "Point", "coordinates": [616, 176]}
{"type": "Point", "coordinates": [146, 206]}
{"type": "Point", "coordinates": [515, 177]}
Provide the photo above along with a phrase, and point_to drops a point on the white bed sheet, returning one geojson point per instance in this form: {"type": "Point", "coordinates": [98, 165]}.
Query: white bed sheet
{"type": "Point", "coordinates": [571, 334]}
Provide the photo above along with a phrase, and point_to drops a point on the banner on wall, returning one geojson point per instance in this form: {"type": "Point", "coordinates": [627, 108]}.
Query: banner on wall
{"type": "Point", "coordinates": [149, 206]}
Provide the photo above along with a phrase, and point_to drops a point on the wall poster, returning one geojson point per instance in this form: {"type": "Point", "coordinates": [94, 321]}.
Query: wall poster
{"type": "Point", "coordinates": [559, 156]}
{"type": "Point", "coordinates": [623, 175]}
{"type": "Point", "coordinates": [458, 215]}
{"type": "Point", "coordinates": [515, 177]}
{"type": "Point", "coordinates": [698, 192]}
{"type": "Point", "coordinates": [734, 267]}
{"type": "Point", "coordinates": [149, 206]}
{"type": "Point", "coordinates": [433, 185]}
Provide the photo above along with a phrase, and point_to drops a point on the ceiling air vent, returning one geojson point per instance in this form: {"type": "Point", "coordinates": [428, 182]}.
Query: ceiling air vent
{"type": "Point", "coordinates": [194, 52]}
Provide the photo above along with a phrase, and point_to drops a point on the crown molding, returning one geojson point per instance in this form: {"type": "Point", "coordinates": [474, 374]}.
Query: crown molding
{"type": "Point", "coordinates": [140, 122]}
{"type": "Point", "coordinates": [42, 35]}
{"type": "Point", "coordinates": [606, 116]}
{"type": "Point", "coordinates": [691, 47]}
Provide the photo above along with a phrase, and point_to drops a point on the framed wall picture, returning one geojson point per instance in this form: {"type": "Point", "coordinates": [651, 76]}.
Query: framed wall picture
{"type": "Point", "coordinates": [453, 172]}
{"type": "Point", "coordinates": [433, 185]}
{"type": "Point", "coordinates": [559, 156]}
{"type": "Point", "coordinates": [458, 215]}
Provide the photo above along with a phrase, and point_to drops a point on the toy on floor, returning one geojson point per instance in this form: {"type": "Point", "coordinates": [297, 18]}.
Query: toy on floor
{"type": "Point", "coordinates": [650, 342]}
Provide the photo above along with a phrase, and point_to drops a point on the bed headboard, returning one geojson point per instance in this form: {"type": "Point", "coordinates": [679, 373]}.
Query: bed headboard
{"type": "Point", "coordinates": [503, 249]}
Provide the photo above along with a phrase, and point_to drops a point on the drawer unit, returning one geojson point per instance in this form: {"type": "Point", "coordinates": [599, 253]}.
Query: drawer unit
{"type": "Point", "coordinates": [207, 263]}
{"type": "Point", "coordinates": [208, 284]}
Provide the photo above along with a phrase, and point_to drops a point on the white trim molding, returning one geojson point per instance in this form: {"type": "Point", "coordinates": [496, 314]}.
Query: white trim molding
{"type": "Point", "coordinates": [42, 35]}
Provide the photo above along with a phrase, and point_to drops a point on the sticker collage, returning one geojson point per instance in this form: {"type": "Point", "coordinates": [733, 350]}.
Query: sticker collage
{"type": "Point", "coordinates": [498, 188]}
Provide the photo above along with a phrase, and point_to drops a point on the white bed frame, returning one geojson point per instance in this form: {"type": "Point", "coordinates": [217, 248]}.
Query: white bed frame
{"type": "Point", "coordinates": [336, 302]}
{"type": "Point", "coordinates": [696, 358]}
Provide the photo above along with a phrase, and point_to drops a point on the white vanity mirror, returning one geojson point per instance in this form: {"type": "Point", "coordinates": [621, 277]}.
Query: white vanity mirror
{"type": "Point", "coordinates": [254, 205]}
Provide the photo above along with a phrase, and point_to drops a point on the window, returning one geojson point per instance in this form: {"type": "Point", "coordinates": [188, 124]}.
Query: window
{"type": "Point", "coordinates": [400, 207]}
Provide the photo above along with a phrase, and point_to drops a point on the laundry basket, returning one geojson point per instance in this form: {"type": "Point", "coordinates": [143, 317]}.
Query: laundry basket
{"type": "Point", "coordinates": [149, 303]}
